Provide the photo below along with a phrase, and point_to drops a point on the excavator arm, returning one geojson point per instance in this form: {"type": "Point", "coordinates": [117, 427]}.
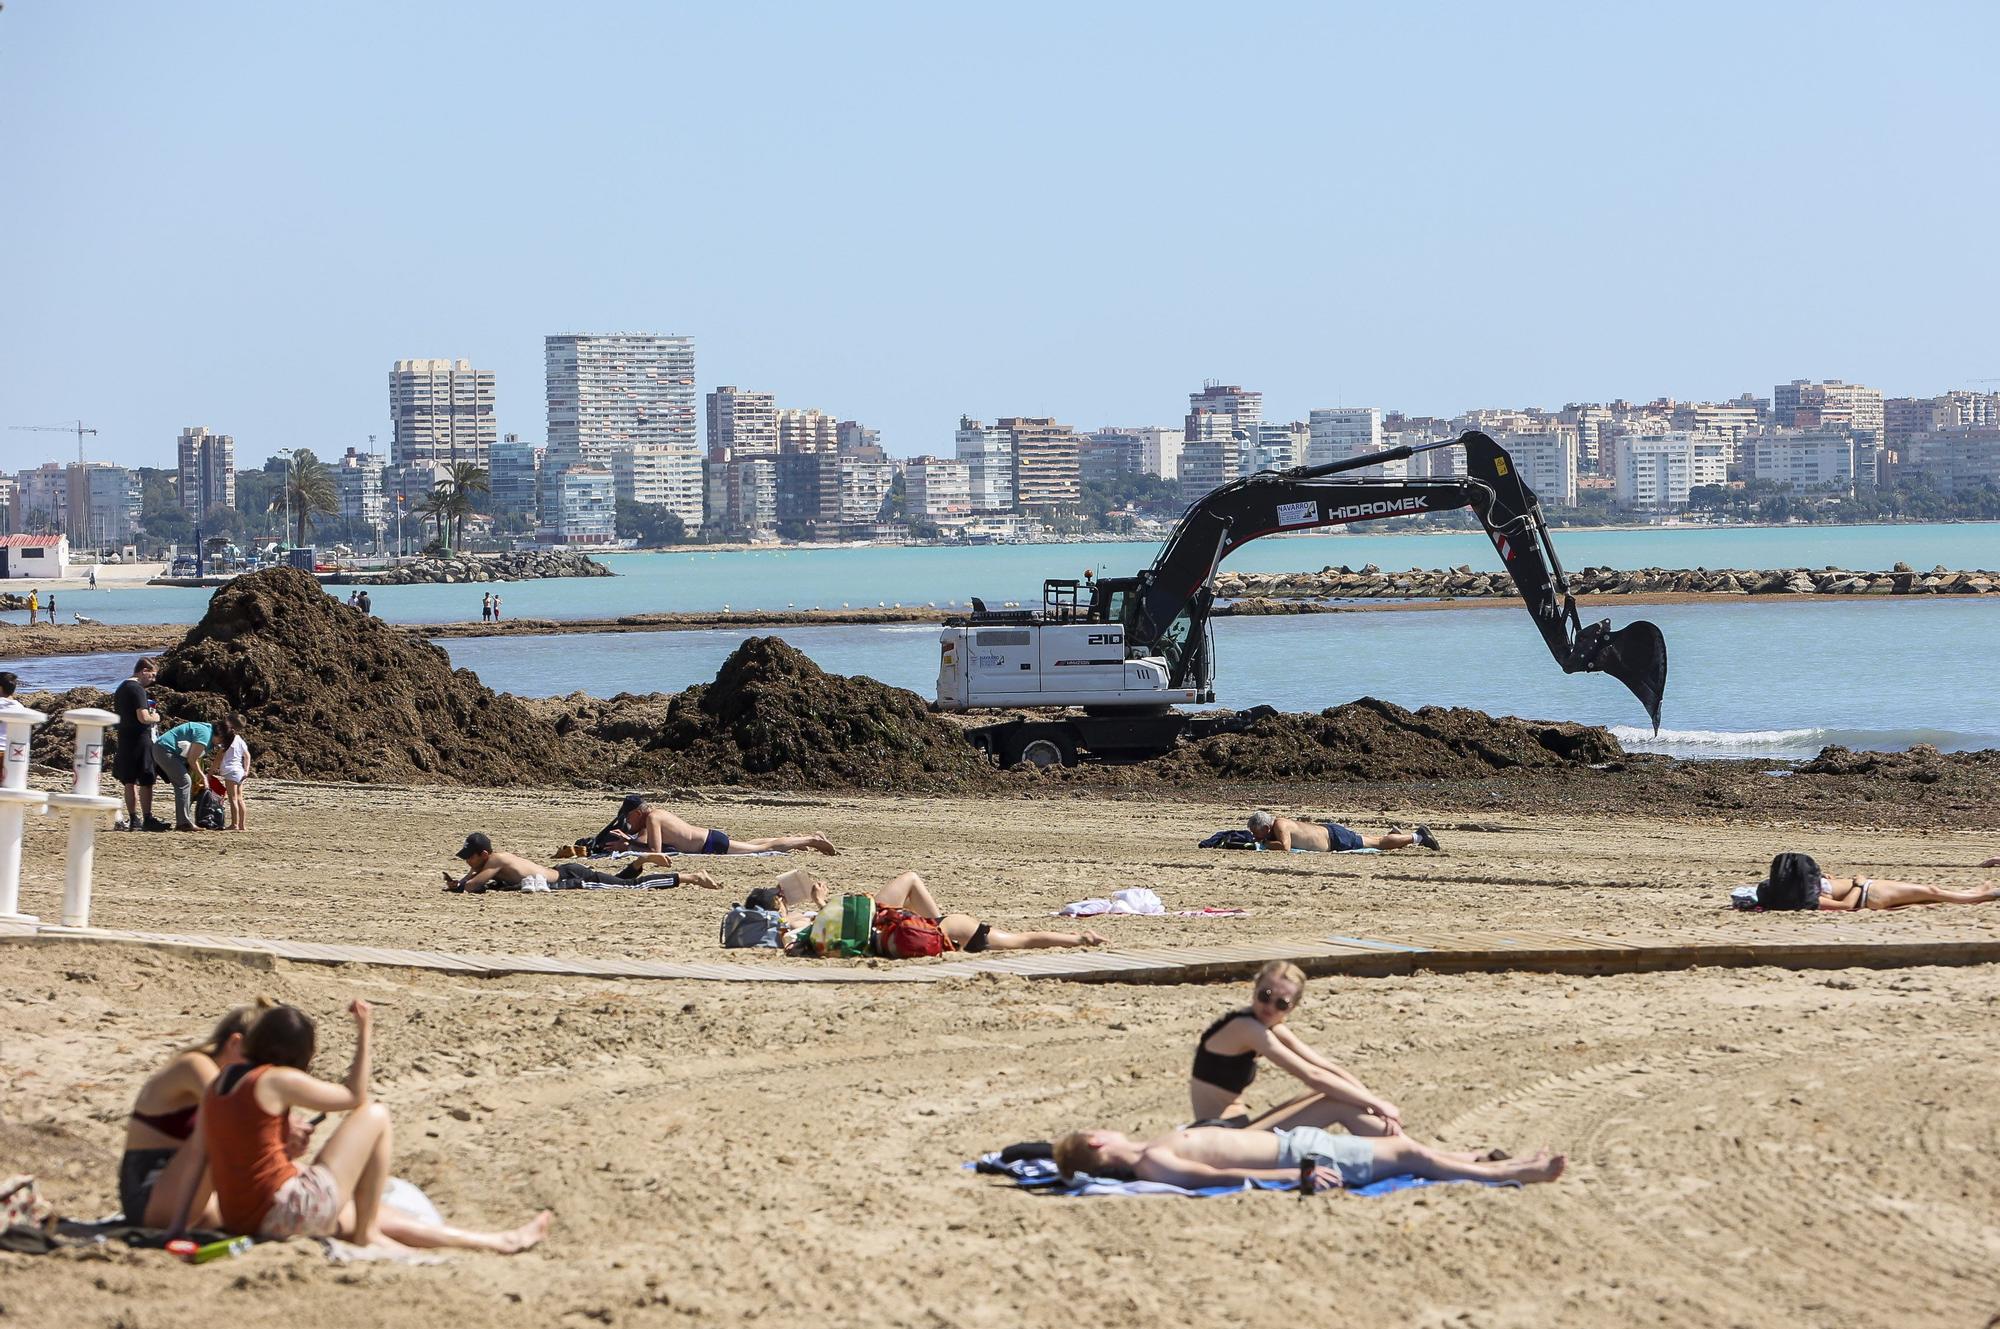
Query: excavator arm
{"type": "Point", "coordinates": [1166, 612]}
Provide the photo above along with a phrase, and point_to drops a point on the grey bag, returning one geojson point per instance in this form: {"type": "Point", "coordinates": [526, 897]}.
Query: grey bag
{"type": "Point", "coordinates": [743, 927]}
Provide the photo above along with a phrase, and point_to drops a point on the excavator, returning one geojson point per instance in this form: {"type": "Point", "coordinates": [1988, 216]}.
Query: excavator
{"type": "Point", "coordinates": [1127, 650]}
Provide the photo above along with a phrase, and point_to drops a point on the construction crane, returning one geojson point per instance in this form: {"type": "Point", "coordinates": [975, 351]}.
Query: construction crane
{"type": "Point", "coordinates": [74, 427]}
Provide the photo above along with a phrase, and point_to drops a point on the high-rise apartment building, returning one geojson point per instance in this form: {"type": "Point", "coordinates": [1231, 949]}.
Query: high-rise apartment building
{"type": "Point", "coordinates": [1807, 459]}
{"type": "Point", "coordinates": [41, 500]}
{"type": "Point", "coordinates": [1106, 455]}
{"type": "Point", "coordinates": [1280, 447]}
{"type": "Point", "coordinates": [514, 475]}
{"type": "Point", "coordinates": [103, 505]}
{"type": "Point", "coordinates": [442, 412]}
{"type": "Point", "coordinates": [1046, 470]}
{"type": "Point", "coordinates": [865, 482]}
{"type": "Point", "coordinates": [1220, 436]}
{"type": "Point", "coordinates": [807, 429]}
{"type": "Point", "coordinates": [1654, 473]}
{"type": "Point", "coordinates": [207, 470]}
{"type": "Point", "coordinates": [1160, 448]}
{"type": "Point", "coordinates": [619, 390]}
{"type": "Point", "coordinates": [1546, 463]}
{"type": "Point", "coordinates": [855, 439]}
{"type": "Point", "coordinates": [741, 423]}
{"type": "Point", "coordinates": [662, 475]}
{"type": "Point", "coordinates": [357, 479]}
{"type": "Point", "coordinates": [988, 453]}
{"type": "Point", "coordinates": [936, 488]}
{"type": "Point", "coordinates": [1802, 404]}
{"type": "Point", "coordinates": [1963, 457]}
{"type": "Point", "coordinates": [1340, 432]}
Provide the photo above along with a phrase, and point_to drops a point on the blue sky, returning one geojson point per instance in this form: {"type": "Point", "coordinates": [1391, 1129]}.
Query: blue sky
{"type": "Point", "coordinates": [239, 214]}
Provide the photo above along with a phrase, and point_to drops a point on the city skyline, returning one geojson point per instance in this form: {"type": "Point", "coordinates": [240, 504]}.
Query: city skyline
{"type": "Point", "coordinates": [1440, 236]}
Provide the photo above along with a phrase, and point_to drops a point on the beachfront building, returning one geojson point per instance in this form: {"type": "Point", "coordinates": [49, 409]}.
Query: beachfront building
{"type": "Point", "coordinates": [864, 483]}
{"type": "Point", "coordinates": [1219, 436]}
{"type": "Point", "coordinates": [1046, 470]}
{"type": "Point", "coordinates": [937, 489]}
{"type": "Point", "coordinates": [1280, 446]}
{"type": "Point", "coordinates": [41, 499]}
{"type": "Point", "coordinates": [741, 423]}
{"type": "Point", "coordinates": [442, 412]}
{"type": "Point", "coordinates": [808, 488]}
{"type": "Point", "coordinates": [1806, 460]}
{"type": "Point", "coordinates": [43, 557]}
{"type": "Point", "coordinates": [1654, 473]}
{"type": "Point", "coordinates": [807, 429]}
{"type": "Point", "coordinates": [7, 513]}
{"type": "Point", "coordinates": [1955, 459]}
{"type": "Point", "coordinates": [1547, 464]}
{"type": "Point", "coordinates": [1160, 448]}
{"type": "Point", "coordinates": [988, 454]}
{"type": "Point", "coordinates": [1106, 455]}
{"type": "Point", "coordinates": [662, 475]}
{"type": "Point", "coordinates": [613, 391]}
{"type": "Point", "coordinates": [752, 489]}
{"type": "Point", "coordinates": [357, 481]}
{"type": "Point", "coordinates": [103, 504]}
{"type": "Point", "coordinates": [1340, 432]}
{"type": "Point", "coordinates": [1830, 405]}
{"type": "Point", "coordinates": [579, 506]}
{"type": "Point", "coordinates": [207, 470]}
{"type": "Point", "coordinates": [854, 439]}
{"type": "Point", "coordinates": [514, 476]}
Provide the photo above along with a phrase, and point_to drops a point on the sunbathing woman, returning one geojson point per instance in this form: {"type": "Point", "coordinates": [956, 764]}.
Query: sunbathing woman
{"type": "Point", "coordinates": [1796, 882]}
{"type": "Point", "coordinates": [965, 932]}
{"type": "Point", "coordinates": [157, 1172]}
{"type": "Point", "coordinates": [261, 1192]}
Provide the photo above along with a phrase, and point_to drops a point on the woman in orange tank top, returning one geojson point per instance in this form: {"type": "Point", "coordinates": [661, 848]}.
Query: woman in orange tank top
{"type": "Point", "coordinates": [260, 1191]}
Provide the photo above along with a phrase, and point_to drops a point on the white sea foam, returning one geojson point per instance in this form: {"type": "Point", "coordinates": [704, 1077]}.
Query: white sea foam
{"type": "Point", "coordinates": [1791, 744]}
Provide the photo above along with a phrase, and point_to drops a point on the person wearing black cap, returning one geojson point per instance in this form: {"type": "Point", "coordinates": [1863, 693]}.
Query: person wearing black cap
{"type": "Point", "coordinates": [488, 869]}
{"type": "Point", "coordinates": [639, 825]}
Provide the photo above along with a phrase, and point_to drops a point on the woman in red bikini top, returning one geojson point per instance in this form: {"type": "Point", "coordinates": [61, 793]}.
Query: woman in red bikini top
{"type": "Point", "coordinates": [157, 1172]}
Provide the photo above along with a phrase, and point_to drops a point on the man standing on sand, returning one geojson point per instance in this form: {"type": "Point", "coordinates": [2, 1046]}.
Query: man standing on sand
{"type": "Point", "coordinates": [1197, 1156]}
{"type": "Point", "coordinates": [132, 763]}
{"type": "Point", "coordinates": [487, 869]}
{"type": "Point", "coordinates": [1275, 832]}
{"type": "Point", "coordinates": [642, 826]}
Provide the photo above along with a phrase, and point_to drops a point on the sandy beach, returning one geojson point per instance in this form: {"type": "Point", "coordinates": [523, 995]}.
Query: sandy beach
{"type": "Point", "coordinates": [789, 1154]}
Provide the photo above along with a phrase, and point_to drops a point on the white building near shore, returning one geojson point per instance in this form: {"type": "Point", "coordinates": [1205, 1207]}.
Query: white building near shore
{"type": "Point", "coordinates": [41, 557]}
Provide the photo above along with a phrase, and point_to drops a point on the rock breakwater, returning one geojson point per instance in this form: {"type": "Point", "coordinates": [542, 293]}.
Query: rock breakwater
{"type": "Point", "coordinates": [527, 565]}
{"type": "Point", "coordinates": [1252, 590]}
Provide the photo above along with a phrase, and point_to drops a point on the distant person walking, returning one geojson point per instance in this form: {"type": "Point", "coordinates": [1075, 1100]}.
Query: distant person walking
{"type": "Point", "coordinates": [132, 764]}
{"type": "Point", "coordinates": [234, 770]}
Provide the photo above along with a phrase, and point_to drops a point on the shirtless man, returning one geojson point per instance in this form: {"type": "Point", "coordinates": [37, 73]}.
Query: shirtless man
{"type": "Point", "coordinates": [1275, 832]}
{"type": "Point", "coordinates": [643, 826]}
{"type": "Point", "coordinates": [1196, 1156]}
{"type": "Point", "coordinates": [488, 869]}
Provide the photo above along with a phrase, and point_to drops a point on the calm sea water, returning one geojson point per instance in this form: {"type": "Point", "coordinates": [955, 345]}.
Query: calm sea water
{"type": "Point", "coordinates": [1769, 679]}
{"type": "Point", "coordinates": [830, 578]}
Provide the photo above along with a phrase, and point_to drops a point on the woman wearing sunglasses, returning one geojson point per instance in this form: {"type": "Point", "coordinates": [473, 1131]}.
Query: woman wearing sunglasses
{"type": "Point", "coordinates": [1225, 1064]}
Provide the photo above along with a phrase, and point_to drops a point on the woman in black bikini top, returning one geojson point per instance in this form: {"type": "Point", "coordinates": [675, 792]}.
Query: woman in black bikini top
{"type": "Point", "coordinates": [1225, 1065]}
{"type": "Point", "coordinates": [155, 1172]}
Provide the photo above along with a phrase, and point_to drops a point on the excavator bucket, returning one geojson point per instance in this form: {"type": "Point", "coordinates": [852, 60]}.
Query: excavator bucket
{"type": "Point", "coordinates": [1635, 655]}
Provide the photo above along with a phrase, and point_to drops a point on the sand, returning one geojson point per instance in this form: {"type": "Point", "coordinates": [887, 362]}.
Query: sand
{"type": "Point", "coordinates": [1750, 1147]}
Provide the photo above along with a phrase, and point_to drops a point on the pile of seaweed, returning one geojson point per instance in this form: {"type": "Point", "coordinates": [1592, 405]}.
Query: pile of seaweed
{"type": "Point", "coordinates": [773, 718]}
{"type": "Point", "coordinates": [331, 693]}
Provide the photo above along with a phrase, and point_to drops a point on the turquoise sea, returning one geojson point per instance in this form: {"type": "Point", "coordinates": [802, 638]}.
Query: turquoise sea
{"type": "Point", "coordinates": [1777, 679]}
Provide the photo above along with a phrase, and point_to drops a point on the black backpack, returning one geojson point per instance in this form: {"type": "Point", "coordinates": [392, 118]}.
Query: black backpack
{"type": "Point", "coordinates": [208, 811]}
{"type": "Point", "coordinates": [1793, 883]}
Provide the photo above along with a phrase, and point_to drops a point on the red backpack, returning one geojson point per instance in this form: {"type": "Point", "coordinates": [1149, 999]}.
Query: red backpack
{"type": "Point", "coordinates": [902, 935]}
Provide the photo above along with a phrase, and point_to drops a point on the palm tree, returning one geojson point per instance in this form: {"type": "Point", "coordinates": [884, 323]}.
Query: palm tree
{"type": "Point", "coordinates": [434, 507]}
{"type": "Point", "coordinates": [310, 492]}
{"type": "Point", "coordinates": [462, 480]}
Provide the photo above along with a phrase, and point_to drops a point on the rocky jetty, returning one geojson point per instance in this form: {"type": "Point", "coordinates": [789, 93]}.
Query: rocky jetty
{"type": "Point", "coordinates": [525, 565]}
{"type": "Point", "coordinates": [1266, 591]}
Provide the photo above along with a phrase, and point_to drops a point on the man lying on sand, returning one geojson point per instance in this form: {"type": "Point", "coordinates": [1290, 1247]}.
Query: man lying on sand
{"type": "Point", "coordinates": [1196, 1156]}
{"type": "Point", "coordinates": [1796, 882]}
{"type": "Point", "coordinates": [487, 869]}
{"type": "Point", "coordinates": [1274, 832]}
{"type": "Point", "coordinates": [908, 892]}
{"type": "Point", "coordinates": [639, 825]}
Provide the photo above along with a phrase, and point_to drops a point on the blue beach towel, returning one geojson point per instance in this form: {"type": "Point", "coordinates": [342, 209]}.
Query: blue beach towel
{"type": "Point", "coordinates": [1040, 1176]}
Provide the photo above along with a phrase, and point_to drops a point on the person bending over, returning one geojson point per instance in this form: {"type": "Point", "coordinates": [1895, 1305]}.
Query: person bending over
{"type": "Point", "coordinates": [963, 931]}
{"type": "Point", "coordinates": [1275, 832]}
{"type": "Point", "coordinates": [158, 1171]}
{"type": "Point", "coordinates": [1225, 1065]}
{"type": "Point", "coordinates": [640, 825]}
{"type": "Point", "coordinates": [260, 1192]}
{"type": "Point", "coordinates": [1196, 1156]}
{"type": "Point", "coordinates": [1796, 882]}
{"type": "Point", "coordinates": [488, 869]}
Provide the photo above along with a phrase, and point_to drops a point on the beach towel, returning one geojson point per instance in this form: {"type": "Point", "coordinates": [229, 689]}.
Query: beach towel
{"type": "Point", "coordinates": [1131, 900]}
{"type": "Point", "coordinates": [1040, 1175]}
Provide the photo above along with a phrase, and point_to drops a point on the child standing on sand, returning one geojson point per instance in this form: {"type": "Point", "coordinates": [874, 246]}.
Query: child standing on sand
{"type": "Point", "coordinates": [235, 769]}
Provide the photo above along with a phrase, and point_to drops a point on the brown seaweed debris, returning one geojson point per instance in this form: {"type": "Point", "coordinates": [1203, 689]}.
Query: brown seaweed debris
{"type": "Point", "coordinates": [331, 693]}
{"type": "Point", "coordinates": [773, 718]}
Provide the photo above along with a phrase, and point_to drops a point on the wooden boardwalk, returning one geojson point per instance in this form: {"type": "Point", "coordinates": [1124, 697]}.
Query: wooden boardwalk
{"type": "Point", "coordinates": [1819, 942]}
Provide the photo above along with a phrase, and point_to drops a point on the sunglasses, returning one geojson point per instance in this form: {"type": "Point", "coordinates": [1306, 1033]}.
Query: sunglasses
{"type": "Point", "coordinates": [1270, 998]}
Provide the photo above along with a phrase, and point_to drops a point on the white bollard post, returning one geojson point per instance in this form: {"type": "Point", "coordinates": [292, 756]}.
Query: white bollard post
{"type": "Point", "coordinates": [15, 801]}
{"type": "Point", "coordinates": [81, 806]}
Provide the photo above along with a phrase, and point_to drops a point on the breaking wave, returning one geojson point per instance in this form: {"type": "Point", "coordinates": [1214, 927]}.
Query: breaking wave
{"type": "Point", "coordinates": [1792, 744]}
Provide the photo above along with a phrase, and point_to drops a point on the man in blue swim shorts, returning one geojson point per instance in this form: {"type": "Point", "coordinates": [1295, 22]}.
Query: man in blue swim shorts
{"type": "Point", "coordinates": [1197, 1156]}
{"type": "Point", "coordinates": [642, 826]}
{"type": "Point", "coordinates": [1274, 832]}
